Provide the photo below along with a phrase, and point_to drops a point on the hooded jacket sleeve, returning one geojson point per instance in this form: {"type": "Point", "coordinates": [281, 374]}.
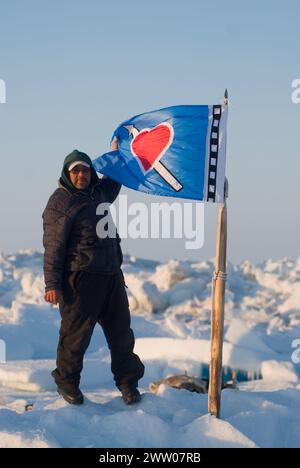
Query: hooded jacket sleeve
{"type": "Point", "coordinates": [109, 188]}
{"type": "Point", "coordinates": [57, 225]}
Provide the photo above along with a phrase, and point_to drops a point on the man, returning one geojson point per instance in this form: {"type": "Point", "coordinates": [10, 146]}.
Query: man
{"type": "Point", "coordinates": [83, 274]}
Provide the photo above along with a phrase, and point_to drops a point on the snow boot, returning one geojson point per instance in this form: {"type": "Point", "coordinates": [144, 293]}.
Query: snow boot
{"type": "Point", "coordinates": [130, 394]}
{"type": "Point", "coordinates": [71, 394]}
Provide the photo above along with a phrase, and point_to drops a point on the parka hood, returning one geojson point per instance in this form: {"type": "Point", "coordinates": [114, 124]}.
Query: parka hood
{"type": "Point", "coordinates": [64, 178]}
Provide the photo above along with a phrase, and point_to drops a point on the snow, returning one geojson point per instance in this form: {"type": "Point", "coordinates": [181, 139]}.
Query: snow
{"type": "Point", "coordinates": [281, 371]}
{"type": "Point", "coordinates": [170, 306]}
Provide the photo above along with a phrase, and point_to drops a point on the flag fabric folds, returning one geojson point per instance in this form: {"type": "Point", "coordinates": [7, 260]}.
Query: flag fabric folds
{"type": "Point", "coordinates": [177, 151]}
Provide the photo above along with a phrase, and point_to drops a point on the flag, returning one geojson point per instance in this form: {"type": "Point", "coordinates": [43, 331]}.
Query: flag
{"type": "Point", "coordinates": [177, 151]}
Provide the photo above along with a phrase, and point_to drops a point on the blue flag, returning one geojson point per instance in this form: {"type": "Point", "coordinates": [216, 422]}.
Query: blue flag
{"type": "Point", "coordinates": [177, 151]}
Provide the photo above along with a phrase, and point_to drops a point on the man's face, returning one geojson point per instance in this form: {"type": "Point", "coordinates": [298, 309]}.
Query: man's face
{"type": "Point", "coordinates": [80, 176]}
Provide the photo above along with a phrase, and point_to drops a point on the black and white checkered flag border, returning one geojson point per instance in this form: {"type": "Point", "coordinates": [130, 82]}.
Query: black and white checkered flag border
{"type": "Point", "coordinates": [213, 154]}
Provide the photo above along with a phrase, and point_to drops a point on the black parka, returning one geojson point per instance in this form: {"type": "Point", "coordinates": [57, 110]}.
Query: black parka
{"type": "Point", "coordinates": [70, 239]}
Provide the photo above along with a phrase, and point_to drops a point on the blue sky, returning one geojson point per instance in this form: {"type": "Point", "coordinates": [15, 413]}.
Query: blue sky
{"type": "Point", "coordinates": [74, 70]}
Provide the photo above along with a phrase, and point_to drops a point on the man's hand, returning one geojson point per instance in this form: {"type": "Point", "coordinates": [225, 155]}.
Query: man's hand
{"type": "Point", "coordinates": [52, 296]}
{"type": "Point", "coordinates": [114, 144]}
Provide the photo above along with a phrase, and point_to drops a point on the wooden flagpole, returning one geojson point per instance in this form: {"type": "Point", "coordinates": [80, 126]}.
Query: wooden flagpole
{"type": "Point", "coordinates": [217, 313]}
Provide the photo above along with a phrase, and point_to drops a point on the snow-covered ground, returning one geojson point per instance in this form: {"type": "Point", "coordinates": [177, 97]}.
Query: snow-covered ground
{"type": "Point", "coordinates": [170, 305]}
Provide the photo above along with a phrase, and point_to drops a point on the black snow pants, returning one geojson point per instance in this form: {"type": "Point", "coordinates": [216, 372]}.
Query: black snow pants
{"type": "Point", "coordinates": [88, 299]}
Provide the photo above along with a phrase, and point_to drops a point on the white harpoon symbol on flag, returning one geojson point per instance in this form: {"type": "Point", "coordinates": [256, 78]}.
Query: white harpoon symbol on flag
{"type": "Point", "coordinates": [160, 168]}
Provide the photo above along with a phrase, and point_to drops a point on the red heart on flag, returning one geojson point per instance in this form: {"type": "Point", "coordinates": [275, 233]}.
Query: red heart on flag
{"type": "Point", "coordinates": [151, 144]}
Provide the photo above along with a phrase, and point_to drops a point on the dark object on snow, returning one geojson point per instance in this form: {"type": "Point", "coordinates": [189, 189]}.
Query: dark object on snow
{"type": "Point", "coordinates": [130, 394]}
{"type": "Point", "coordinates": [184, 381]}
{"type": "Point", "coordinates": [29, 407]}
{"type": "Point", "coordinates": [192, 384]}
